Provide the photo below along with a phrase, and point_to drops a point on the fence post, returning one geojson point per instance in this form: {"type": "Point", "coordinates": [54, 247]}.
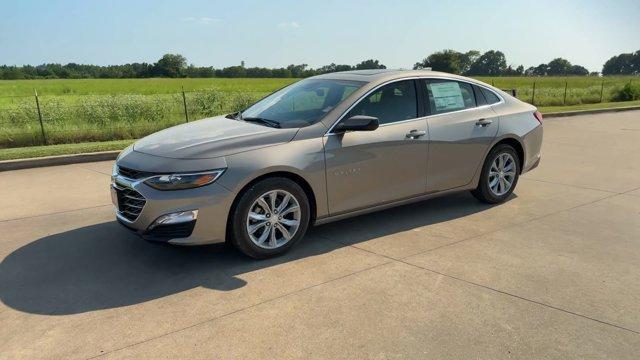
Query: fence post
{"type": "Point", "coordinates": [184, 102]}
{"type": "Point", "coordinates": [44, 138]}
{"type": "Point", "coordinates": [564, 101]}
{"type": "Point", "coordinates": [602, 91]}
{"type": "Point", "coordinates": [533, 96]}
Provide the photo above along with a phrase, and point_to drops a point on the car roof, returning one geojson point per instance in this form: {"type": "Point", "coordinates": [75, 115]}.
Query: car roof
{"type": "Point", "coordinates": [378, 75]}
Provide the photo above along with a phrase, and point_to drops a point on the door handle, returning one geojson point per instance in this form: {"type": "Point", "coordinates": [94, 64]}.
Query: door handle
{"type": "Point", "coordinates": [483, 122]}
{"type": "Point", "coordinates": [414, 134]}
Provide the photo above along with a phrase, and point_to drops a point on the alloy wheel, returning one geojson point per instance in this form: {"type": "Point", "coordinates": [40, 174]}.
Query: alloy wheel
{"type": "Point", "coordinates": [502, 174]}
{"type": "Point", "coordinates": [273, 219]}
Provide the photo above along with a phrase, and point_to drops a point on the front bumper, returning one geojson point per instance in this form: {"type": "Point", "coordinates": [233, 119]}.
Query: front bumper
{"type": "Point", "coordinates": [211, 201]}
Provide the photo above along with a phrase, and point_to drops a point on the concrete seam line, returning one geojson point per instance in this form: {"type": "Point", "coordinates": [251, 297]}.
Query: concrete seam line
{"type": "Point", "coordinates": [18, 164]}
{"type": "Point", "coordinates": [522, 298]}
{"type": "Point", "coordinates": [55, 213]}
{"type": "Point", "coordinates": [358, 248]}
{"type": "Point", "coordinates": [570, 185]}
{"type": "Point", "coordinates": [94, 170]}
{"type": "Point", "coordinates": [628, 191]}
{"type": "Point", "coordinates": [239, 310]}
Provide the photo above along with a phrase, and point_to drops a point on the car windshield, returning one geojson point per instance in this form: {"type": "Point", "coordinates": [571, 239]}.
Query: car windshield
{"type": "Point", "coordinates": [300, 104]}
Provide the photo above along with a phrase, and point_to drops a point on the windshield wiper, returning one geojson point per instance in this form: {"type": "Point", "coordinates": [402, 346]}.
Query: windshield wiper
{"type": "Point", "coordinates": [234, 116]}
{"type": "Point", "coordinates": [263, 121]}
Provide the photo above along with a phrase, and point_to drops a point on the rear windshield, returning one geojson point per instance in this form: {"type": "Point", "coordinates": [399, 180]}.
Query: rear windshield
{"type": "Point", "coordinates": [302, 103]}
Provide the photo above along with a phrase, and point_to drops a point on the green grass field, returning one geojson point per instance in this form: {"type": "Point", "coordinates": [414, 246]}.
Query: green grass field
{"type": "Point", "coordinates": [50, 87]}
{"type": "Point", "coordinates": [550, 91]}
{"type": "Point", "coordinates": [90, 110]}
{"type": "Point", "coordinates": [112, 109]}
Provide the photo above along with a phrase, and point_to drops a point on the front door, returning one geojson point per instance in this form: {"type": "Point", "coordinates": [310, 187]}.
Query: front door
{"type": "Point", "coordinates": [366, 168]}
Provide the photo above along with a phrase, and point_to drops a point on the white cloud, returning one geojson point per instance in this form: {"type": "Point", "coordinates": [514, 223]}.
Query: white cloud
{"type": "Point", "coordinates": [289, 25]}
{"type": "Point", "coordinates": [205, 20]}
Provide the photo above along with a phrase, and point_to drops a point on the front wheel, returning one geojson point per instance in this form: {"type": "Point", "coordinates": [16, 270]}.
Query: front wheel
{"type": "Point", "coordinates": [270, 217]}
{"type": "Point", "coordinates": [500, 173]}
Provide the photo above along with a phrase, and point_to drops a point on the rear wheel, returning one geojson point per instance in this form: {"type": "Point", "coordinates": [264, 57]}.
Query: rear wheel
{"type": "Point", "coordinates": [500, 173]}
{"type": "Point", "coordinates": [270, 217]}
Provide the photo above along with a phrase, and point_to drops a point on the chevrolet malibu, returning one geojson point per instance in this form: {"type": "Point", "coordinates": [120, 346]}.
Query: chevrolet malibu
{"type": "Point", "coordinates": [322, 149]}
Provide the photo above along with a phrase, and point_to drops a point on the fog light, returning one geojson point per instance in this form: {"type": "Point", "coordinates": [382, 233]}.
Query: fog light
{"type": "Point", "coordinates": [175, 218]}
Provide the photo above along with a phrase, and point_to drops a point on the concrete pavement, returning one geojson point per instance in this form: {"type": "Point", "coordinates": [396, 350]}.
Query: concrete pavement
{"type": "Point", "coordinates": [552, 273]}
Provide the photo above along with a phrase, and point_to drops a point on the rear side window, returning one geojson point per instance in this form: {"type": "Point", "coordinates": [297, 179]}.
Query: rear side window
{"type": "Point", "coordinates": [393, 102]}
{"type": "Point", "coordinates": [447, 95]}
{"type": "Point", "coordinates": [480, 99]}
{"type": "Point", "coordinates": [490, 96]}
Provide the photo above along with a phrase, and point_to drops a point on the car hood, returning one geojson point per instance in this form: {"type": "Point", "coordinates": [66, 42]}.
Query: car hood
{"type": "Point", "coordinates": [209, 138]}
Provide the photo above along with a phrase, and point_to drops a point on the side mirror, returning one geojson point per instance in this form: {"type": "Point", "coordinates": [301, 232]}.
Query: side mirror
{"type": "Point", "coordinates": [357, 123]}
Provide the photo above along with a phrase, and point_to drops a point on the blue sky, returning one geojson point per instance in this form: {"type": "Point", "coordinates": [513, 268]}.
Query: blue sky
{"type": "Point", "coordinates": [277, 33]}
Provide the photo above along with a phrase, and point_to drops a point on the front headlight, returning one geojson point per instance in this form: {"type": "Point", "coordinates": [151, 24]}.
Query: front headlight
{"type": "Point", "coordinates": [183, 181]}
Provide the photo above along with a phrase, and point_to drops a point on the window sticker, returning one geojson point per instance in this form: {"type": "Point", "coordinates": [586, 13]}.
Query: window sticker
{"type": "Point", "coordinates": [447, 96]}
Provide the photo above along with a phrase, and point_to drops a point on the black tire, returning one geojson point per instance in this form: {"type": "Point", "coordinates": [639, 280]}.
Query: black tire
{"type": "Point", "coordinates": [240, 238]}
{"type": "Point", "coordinates": [483, 191]}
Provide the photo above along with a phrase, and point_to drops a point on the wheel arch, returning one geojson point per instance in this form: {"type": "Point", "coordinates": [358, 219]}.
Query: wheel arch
{"type": "Point", "coordinates": [304, 184]}
{"type": "Point", "coordinates": [515, 144]}
{"type": "Point", "coordinates": [509, 140]}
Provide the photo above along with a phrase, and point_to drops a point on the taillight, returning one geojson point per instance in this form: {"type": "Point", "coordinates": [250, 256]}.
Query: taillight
{"type": "Point", "coordinates": [538, 116]}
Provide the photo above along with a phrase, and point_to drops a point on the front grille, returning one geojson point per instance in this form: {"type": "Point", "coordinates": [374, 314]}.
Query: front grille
{"type": "Point", "coordinates": [133, 174]}
{"type": "Point", "coordinates": [171, 231]}
{"type": "Point", "coordinates": [130, 203]}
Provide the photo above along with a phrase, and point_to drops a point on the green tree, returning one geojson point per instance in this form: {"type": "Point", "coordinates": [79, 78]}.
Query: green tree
{"type": "Point", "coordinates": [297, 71]}
{"type": "Point", "coordinates": [334, 68]}
{"type": "Point", "coordinates": [281, 73]}
{"type": "Point", "coordinates": [446, 60]}
{"type": "Point", "coordinates": [623, 64]}
{"type": "Point", "coordinates": [232, 72]}
{"type": "Point", "coordinates": [11, 73]}
{"type": "Point", "coordinates": [491, 63]}
{"type": "Point", "coordinates": [370, 64]}
{"type": "Point", "coordinates": [558, 66]}
{"type": "Point", "coordinates": [467, 59]}
{"type": "Point", "coordinates": [510, 71]}
{"type": "Point", "coordinates": [578, 70]}
{"type": "Point", "coordinates": [540, 70]}
{"type": "Point", "coordinates": [170, 65]}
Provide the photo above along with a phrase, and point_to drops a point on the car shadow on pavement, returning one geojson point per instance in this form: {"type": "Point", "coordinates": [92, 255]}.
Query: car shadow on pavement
{"type": "Point", "coordinates": [104, 266]}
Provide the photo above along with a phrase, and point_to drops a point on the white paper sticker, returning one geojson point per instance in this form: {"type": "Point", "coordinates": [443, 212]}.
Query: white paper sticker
{"type": "Point", "coordinates": [447, 96]}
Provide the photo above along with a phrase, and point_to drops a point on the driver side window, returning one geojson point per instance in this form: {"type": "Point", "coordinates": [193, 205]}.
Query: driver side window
{"type": "Point", "coordinates": [393, 102]}
{"type": "Point", "coordinates": [308, 100]}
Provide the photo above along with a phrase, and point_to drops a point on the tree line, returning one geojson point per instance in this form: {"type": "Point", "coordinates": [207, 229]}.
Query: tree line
{"type": "Point", "coordinates": [171, 66]}
{"type": "Point", "coordinates": [494, 63]}
{"type": "Point", "coordinates": [472, 63]}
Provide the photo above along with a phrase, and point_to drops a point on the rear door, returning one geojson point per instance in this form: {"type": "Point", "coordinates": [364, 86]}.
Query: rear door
{"type": "Point", "coordinates": [460, 132]}
{"type": "Point", "coordinates": [366, 168]}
